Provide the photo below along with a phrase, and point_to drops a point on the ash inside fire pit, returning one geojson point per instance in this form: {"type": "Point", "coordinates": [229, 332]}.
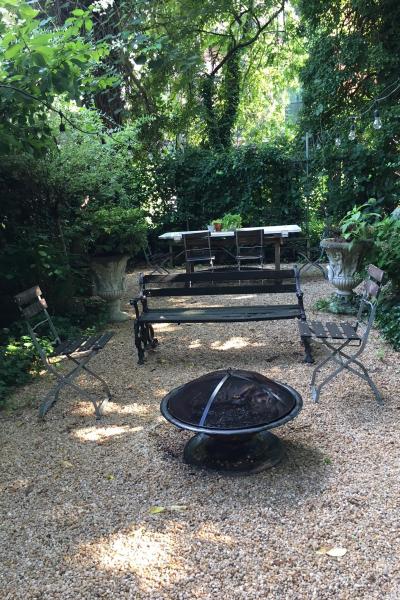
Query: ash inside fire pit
{"type": "Point", "coordinates": [231, 411]}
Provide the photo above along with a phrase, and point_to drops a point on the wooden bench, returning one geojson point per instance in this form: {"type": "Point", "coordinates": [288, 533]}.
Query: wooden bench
{"type": "Point", "coordinates": [215, 283]}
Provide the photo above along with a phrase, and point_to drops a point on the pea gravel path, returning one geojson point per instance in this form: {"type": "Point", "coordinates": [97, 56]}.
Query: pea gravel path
{"type": "Point", "coordinates": [76, 495]}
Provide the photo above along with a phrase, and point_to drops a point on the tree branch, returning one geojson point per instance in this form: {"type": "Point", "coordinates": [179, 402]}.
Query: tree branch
{"type": "Point", "coordinates": [244, 44]}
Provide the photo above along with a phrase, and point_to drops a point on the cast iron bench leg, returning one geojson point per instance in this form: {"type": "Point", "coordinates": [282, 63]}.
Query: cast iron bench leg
{"type": "Point", "coordinates": [307, 348]}
{"type": "Point", "coordinates": [139, 343]}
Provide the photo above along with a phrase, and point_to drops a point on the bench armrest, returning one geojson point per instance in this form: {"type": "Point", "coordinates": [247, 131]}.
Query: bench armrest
{"type": "Point", "coordinates": [135, 303]}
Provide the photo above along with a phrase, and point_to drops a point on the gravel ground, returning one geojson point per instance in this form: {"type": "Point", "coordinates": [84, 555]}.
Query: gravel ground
{"type": "Point", "coordinates": [77, 495]}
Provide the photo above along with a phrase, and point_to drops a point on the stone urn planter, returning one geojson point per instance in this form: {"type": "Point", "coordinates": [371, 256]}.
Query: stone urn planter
{"type": "Point", "coordinates": [109, 279]}
{"type": "Point", "coordinates": [344, 259]}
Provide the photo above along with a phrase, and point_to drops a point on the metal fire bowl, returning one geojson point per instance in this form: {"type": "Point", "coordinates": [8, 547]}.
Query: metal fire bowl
{"type": "Point", "coordinates": [241, 450]}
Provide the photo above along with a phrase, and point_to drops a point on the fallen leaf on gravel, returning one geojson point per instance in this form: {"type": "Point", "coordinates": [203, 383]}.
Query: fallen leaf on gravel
{"type": "Point", "coordinates": [67, 464]}
{"type": "Point", "coordinates": [336, 552]}
{"type": "Point", "coordinates": [156, 509]}
{"type": "Point", "coordinates": [110, 477]}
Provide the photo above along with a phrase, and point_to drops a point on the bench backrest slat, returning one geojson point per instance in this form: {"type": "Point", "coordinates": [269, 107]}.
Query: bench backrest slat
{"type": "Point", "coordinates": [217, 283]}
{"type": "Point", "coordinates": [223, 276]}
{"type": "Point", "coordinates": [283, 288]}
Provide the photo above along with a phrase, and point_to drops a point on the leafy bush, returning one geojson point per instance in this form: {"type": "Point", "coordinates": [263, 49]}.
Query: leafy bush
{"type": "Point", "coordinates": [388, 321]}
{"type": "Point", "coordinates": [261, 183]}
{"type": "Point", "coordinates": [358, 224]}
{"type": "Point", "coordinates": [113, 230]}
{"type": "Point", "coordinates": [386, 252]}
{"type": "Point", "coordinates": [19, 361]}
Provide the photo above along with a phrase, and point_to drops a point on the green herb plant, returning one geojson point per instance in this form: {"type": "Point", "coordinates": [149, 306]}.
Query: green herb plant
{"type": "Point", "coordinates": [358, 224]}
{"type": "Point", "coordinates": [231, 221]}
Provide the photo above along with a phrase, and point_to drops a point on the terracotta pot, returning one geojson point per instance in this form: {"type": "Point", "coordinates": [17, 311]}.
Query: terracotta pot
{"type": "Point", "coordinates": [218, 226]}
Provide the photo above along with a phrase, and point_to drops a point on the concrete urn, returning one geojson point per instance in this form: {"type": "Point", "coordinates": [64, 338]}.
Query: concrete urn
{"type": "Point", "coordinates": [109, 282]}
{"type": "Point", "coordinates": [344, 259]}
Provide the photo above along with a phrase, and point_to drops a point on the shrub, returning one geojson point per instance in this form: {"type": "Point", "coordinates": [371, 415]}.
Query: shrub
{"type": "Point", "coordinates": [388, 321]}
{"type": "Point", "coordinates": [261, 183]}
{"type": "Point", "coordinates": [112, 230]}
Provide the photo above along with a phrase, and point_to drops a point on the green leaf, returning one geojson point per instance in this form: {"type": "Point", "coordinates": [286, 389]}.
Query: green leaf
{"type": "Point", "coordinates": [13, 51]}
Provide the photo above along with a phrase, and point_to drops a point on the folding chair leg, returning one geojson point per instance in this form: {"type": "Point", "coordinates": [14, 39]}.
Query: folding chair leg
{"type": "Point", "coordinates": [52, 397]}
{"type": "Point", "coordinates": [49, 400]}
{"type": "Point", "coordinates": [370, 382]}
{"type": "Point", "coordinates": [343, 365]}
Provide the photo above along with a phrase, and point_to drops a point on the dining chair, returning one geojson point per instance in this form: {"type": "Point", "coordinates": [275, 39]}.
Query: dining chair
{"type": "Point", "coordinates": [250, 246]}
{"type": "Point", "coordinates": [197, 248]}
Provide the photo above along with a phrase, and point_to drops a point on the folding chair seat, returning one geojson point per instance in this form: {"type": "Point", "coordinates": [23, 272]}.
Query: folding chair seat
{"type": "Point", "coordinates": [250, 246]}
{"type": "Point", "coordinates": [79, 351]}
{"type": "Point", "coordinates": [340, 336]}
{"type": "Point", "coordinates": [197, 247]}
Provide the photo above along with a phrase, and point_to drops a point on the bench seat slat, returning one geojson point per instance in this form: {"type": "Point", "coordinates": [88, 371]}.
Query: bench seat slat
{"type": "Point", "coordinates": [221, 314]}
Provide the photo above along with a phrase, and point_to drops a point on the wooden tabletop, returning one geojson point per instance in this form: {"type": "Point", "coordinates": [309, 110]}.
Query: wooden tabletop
{"type": "Point", "coordinates": [271, 230]}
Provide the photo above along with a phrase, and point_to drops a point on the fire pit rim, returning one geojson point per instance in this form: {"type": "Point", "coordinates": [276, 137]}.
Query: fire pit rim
{"type": "Point", "coordinates": [237, 431]}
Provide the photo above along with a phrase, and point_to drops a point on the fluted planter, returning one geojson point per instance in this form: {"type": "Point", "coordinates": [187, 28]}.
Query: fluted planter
{"type": "Point", "coordinates": [109, 279]}
{"type": "Point", "coordinates": [344, 259]}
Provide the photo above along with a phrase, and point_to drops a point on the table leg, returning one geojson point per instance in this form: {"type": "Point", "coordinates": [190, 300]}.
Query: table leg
{"type": "Point", "coordinates": [277, 245]}
{"type": "Point", "coordinates": [170, 250]}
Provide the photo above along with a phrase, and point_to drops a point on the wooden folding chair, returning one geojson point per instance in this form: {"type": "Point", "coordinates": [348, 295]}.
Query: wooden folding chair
{"type": "Point", "coordinates": [336, 337]}
{"type": "Point", "coordinates": [79, 351]}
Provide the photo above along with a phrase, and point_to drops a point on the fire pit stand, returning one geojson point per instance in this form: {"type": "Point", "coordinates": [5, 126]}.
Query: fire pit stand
{"type": "Point", "coordinates": [231, 412]}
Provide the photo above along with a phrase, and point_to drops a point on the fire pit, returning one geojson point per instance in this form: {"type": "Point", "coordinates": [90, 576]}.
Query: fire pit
{"type": "Point", "coordinates": [232, 411]}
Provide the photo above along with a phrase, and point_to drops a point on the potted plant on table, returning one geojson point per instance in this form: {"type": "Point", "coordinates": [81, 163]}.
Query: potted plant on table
{"type": "Point", "coordinates": [112, 235]}
{"type": "Point", "coordinates": [231, 221]}
{"type": "Point", "coordinates": [217, 224]}
{"type": "Point", "coordinates": [346, 250]}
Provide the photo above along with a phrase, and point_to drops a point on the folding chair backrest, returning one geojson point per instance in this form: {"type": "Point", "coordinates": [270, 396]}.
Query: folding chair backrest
{"type": "Point", "coordinates": [372, 289]}
{"type": "Point", "coordinates": [249, 239]}
{"type": "Point", "coordinates": [33, 308]}
{"type": "Point", "coordinates": [147, 253]}
{"type": "Point", "coordinates": [197, 244]}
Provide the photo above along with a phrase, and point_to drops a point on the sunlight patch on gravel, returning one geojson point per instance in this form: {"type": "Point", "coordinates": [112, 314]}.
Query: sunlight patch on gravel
{"type": "Point", "coordinates": [234, 342]}
{"type": "Point", "coordinates": [134, 551]}
{"type": "Point", "coordinates": [95, 434]}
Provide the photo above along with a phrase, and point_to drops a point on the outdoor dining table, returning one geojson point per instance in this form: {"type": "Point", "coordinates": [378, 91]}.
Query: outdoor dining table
{"type": "Point", "coordinates": [273, 234]}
